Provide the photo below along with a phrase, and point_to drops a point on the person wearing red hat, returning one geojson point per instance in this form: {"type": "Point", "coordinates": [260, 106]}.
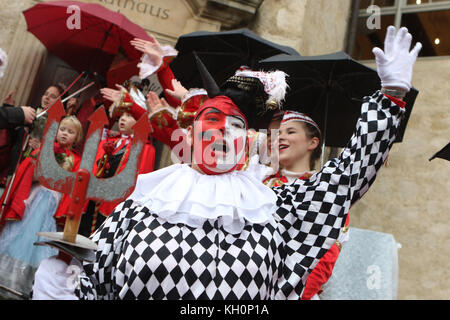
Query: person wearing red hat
{"type": "Point", "coordinates": [114, 149]}
{"type": "Point", "coordinates": [207, 230]}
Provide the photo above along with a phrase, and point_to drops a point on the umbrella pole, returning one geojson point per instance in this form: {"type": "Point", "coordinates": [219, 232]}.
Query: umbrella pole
{"type": "Point", "coordinates": [105, 38]}
{"type": "Point", "coordinates": [324, 134]}
{"type": "Point", "coordinates": [327, 92]}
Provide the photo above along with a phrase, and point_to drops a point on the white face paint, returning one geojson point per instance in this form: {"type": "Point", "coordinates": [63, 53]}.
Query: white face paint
{"type": "Point", "coordinates": [234, 139]}
{"type": "Point", "coordinates": [219, 142]}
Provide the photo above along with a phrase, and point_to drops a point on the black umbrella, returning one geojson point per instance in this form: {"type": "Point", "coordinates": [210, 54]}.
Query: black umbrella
{"type": "Point", "coordinates": [222, 53]}
{"type": "Point", "coordinates": [330, 89]}
{"type": "Point", "coordinates": [444, 153]}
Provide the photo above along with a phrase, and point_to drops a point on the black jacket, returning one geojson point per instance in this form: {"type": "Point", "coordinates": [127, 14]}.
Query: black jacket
{"type": "Point", "coordinates": [11, 117]}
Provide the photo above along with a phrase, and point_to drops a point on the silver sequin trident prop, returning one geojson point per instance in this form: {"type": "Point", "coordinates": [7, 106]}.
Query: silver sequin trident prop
{"type": "Point", "coordinates": [82, 185]}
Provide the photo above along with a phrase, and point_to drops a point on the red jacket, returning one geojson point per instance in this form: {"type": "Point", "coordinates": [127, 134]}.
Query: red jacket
{"type": "Point", "coordinates": [15, 207]}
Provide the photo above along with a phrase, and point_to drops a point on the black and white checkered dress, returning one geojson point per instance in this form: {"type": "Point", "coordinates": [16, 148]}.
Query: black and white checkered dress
{"type": "Point", "coordinates": [142, 256]}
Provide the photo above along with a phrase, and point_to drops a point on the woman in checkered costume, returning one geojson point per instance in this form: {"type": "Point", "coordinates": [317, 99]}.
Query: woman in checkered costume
{"type": "Point", "coordinates": [299, 143]}
{"type": "Point", "coordinates": [211, 231]}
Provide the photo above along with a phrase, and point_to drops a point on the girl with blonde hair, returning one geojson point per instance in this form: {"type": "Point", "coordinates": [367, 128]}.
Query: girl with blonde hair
{"type": "Point", "coordinates": [32, 208]}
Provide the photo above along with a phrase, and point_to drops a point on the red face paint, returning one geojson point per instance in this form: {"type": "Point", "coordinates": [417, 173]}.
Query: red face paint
{"type": "Point", "coordinates": [219, 137]}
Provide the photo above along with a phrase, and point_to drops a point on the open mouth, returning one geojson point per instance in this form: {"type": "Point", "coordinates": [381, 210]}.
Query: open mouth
{"type": "Point", "coordinates": [282, 147]}
{"type": "Point", "coordinates": [219, 146]}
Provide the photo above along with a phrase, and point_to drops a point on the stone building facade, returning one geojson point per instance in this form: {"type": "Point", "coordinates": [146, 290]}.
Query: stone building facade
{"type": "Point", "coordinates": [409, 198]}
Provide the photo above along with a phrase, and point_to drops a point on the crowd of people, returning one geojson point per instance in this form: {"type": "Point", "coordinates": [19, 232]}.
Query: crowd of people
{"type": "Point", "coordinates": [240, 215]}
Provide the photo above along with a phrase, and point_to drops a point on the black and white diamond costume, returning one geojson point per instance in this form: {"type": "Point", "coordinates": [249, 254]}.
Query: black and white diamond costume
{"type": "Point", "coordinates": [185, 235]}
{"type": "Point", "coordinates": [180, 235]}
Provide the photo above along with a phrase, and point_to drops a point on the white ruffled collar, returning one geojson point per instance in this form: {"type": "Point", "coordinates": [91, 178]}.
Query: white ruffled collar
{"type": "Point", "coordinates": [179, 194]}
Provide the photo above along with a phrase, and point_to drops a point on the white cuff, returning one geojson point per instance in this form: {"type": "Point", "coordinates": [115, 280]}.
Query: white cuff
{"type": "Point", "coordinates": [56, 280]}
{"type": "Point", "coordinates": [192, 93]}
{"type": "Point", "coordinates": [146, 66]}
{"type": "Point", "coordinates": [4, 59]}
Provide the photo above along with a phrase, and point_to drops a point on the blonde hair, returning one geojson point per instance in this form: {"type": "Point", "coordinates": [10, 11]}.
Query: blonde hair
{"type": "Point", "coordinates": [74, 120]}
{"type": "Point", "coordinates": [67, 163]}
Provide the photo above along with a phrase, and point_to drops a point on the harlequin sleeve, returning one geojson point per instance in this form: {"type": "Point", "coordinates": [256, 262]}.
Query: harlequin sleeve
{"type": "Point", "coordinates": [97, 278]}
{"type": "Point", "coordinates": [313, 211]}
{"type": "Point", "coordinates": [324, 269]}
{"type": "Point", "coordinates": [321, 273]}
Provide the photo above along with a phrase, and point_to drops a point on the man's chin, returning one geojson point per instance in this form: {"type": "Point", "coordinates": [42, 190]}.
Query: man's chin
{"type": "Point", "coordinates": [220, 168]}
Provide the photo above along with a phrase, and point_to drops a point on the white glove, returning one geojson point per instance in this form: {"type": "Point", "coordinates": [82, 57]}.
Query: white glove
{"type": "Point", "coordinates": [395, 64]}
{"type": "Point", "coordinates": [54, 280]}
{"type": "Point", "coordinates": [3, 62]}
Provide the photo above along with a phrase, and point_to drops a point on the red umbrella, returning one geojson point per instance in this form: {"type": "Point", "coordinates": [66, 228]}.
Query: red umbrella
{"type": "Point", "coordinates": [121, 72]}
{"type": "Point", "coordinates": [93, 46]}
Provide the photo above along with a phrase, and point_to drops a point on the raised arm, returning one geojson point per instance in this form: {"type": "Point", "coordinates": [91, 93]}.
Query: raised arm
{"type": "Point", "coordinates": [313, 212]}
{"type": "Point", "coordinates": [156, 59]}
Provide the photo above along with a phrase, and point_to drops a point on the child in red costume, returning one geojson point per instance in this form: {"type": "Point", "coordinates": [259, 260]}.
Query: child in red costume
{"type": "Point", "coordinates": [31, 208]}
{"type": "Point", "coordinates": [114, 150]}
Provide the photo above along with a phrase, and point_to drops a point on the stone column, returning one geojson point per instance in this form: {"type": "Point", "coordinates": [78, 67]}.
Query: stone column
{"type": "Point", "coordinates": [312, 27]}
{"type": "Point", "coordinates": [25, 55]}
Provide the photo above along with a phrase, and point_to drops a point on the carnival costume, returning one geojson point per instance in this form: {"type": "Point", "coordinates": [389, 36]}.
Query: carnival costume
{"type": "Point", "coordinates": [112, 157]}
{"type": "Point", "coordinates": [324, 269]}
{"type": "Point", "coordinates": [32, 208]}
{"type": "Point", "coordinates": [186, 235]}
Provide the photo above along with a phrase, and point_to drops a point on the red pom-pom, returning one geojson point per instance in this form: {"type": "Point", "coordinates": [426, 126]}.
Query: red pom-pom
{"type": "Point", "coordinates": [58, 149]}
{"type": "Point", "coordinates": [109, 147]}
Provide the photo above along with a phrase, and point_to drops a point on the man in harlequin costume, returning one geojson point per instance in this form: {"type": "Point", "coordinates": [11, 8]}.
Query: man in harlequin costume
{"type": "Point", "coordinates": [206, 230]}
{"type": "Point", "coordinates": [113, 153]}
{"type": "Point", "coordinates": [165, 120]}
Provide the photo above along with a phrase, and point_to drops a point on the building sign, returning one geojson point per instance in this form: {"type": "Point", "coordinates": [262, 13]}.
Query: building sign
{"type": "Point", "coordinates": [143, 7]}
{"type": "Point", "coordinates": [166, 19]}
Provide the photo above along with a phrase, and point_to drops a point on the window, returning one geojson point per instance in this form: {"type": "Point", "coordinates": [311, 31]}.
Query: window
{"type": "Point", "coordinates": [427, 20]}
